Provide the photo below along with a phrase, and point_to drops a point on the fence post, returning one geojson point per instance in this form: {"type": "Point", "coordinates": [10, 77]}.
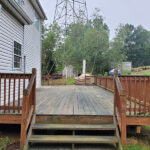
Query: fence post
{"type": "Point", "coordinates": [48, 78]}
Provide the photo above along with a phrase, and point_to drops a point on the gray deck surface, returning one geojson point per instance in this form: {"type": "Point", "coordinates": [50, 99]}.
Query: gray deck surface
{"type": "Point", "coordinates": [74, 100]}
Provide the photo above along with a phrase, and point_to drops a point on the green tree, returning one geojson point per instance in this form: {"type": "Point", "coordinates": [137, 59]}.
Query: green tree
{"type": "Point", "coordinates": [50, 40]}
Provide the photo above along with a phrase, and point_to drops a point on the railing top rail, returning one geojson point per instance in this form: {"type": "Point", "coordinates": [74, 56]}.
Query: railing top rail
{"type": "Point", "coordinates": [14, 74]}
{"type": "Point", "coordinates": [134, 75]}
{"type": "Point", "coordinates": [30, 85]}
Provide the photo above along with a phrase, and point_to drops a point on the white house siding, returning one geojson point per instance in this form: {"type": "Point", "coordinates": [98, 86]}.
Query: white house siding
{"type": "Point", "coordinates": [32, 43]}
{"type": "Point", "coordinates": [10, 30]}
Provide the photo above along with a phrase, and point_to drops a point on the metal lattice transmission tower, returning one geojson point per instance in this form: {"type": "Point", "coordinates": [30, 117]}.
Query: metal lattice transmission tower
{"type": "Point", "coordinates": [70, 11]}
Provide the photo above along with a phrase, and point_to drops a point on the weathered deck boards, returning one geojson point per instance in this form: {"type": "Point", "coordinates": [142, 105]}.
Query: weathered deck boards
{"type": "Point", "coordinates": [74, 100]}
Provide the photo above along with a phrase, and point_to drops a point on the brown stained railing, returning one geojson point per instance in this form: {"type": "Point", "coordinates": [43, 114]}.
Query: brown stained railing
{"type": "Point", "coordinates": [106, 83]}
{"type": "Point", "coordinates": [137, 91]}
{"type": "Point", "coordinates": [120, 107]}
{"type": "Point", "coordinates": [11, 91]}
{"type": "Point", "coordinates": [18, 95]}
{"type": "Point", "coordinates": [28, 106]}
{"type": "Point", "coordinates": [138, 94]}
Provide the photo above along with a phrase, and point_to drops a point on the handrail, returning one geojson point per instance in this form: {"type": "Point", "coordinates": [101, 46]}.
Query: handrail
{"type": "Point", "coordinates": [28, 106]}
{"type": "Point", "coordinates": [119, 86]}
{"type": "Point", "coordinates": [120, 107]}
{"type": "Point", "coordinates": [30, 85]}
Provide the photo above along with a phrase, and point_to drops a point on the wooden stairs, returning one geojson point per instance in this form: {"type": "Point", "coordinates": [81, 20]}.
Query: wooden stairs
{"type": "Point", "coordinates": [48, 134]}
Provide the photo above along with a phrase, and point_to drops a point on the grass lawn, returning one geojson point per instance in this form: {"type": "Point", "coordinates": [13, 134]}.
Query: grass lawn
{"type": "Point", "coordinates": [137, 147]}
{"type": "Point", "coordinates": [140, 141]}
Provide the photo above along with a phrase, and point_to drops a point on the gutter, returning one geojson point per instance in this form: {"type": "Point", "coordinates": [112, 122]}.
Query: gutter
{"type": "Point", "coordinates": [36, 4]}
{"type": "Point", "coordinates": [17, 11]}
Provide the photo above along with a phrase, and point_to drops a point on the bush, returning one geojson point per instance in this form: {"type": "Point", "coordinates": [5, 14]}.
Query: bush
{"type": "Point", "coordinates": [70, 81]}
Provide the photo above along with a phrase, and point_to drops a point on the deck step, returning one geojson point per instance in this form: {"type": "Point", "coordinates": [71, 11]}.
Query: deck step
{"type": "Point", "coordinates": [73, 127]}
{"type": "Point", "coordinates": [73, 139]}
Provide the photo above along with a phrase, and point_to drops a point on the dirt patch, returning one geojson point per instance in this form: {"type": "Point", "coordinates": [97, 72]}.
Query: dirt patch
{"type": "Point", "coordinates": [14, 146]}
{"type": "Point", "coordinates": [10, 137]}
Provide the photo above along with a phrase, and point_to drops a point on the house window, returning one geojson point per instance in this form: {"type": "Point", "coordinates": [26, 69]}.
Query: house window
{"type": "Point", "coordinates": [17, 55]}
{"type": "Point", "coordinates": [37, 21]}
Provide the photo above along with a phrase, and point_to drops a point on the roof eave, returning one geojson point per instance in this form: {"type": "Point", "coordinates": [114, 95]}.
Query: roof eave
{"type": "Point", "coordinates": [17, 11]}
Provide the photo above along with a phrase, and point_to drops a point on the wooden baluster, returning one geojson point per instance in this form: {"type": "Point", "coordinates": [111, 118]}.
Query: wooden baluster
{"type": "Point", "coordinates": [18, 94]}
{"type": "Point", "coordinates": [24, 82]}
{"type": "Point", "coordinates": [9, 90]}
{"type": "Point", "coordinates": [135, 81]}
{"type": "Point", "coordinates": [144, 97]}
{"type": "Point", "coordinates": [5, 93]}
{"type": "Point", "coordinates": [140, 94]}
{"type": "Point", "coordinates": [14, 93]}
{"type": "Point", "coordinates": [0, 90]}
{"type": "Point", "coordinates": [149, 93]}
{"type": "Point", "coordinates": [130, 88]}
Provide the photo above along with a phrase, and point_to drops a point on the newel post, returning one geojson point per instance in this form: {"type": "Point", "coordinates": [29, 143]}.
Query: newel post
{"type": "Point", "coordinates": [115, 91]}
{"type": "Point", "coordinates": [34, 72]}
{"type": "Point", "coordinates": [123, 117]}
{"type": "Point", "coordinates": [23, 120]}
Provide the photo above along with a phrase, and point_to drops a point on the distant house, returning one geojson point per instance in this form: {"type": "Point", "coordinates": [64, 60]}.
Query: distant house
{"type": "Point", "coordinates": [20, 36]}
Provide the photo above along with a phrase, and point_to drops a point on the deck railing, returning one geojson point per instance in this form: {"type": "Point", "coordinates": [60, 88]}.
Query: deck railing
{"type": "Point", "coordinates": [18, 96]}
{"type": "Point", "coordinates": [11, 92]}
{"type": "Point", "coordinates": [137, 91]}
{"type": "Point", "coordinates": [138, 94]}
{"type": "Point", "coordinates": [106, 83]}
{"type": "Point", "coordinates": [28, 107]}
{"type": "Point", "coordinates": [131, 97]}
{"type": "Point", "coordinates": [120, 107]}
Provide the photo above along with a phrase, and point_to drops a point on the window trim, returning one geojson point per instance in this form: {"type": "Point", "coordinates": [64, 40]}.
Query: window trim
{"type": "Point", "coordinates": [21, 56]}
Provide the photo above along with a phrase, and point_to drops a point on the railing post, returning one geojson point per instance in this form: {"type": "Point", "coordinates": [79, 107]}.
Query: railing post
{"type": "Point", "coordinates": [123, 117]}
{"type": "Point", "coordinates": [34, 72]}
{"type": "Point", "coordinates": [23, 120]}
{"type": "Point", "coordinates": [122, 108]}
{"type": "Point", "coordinates": [115, 91]}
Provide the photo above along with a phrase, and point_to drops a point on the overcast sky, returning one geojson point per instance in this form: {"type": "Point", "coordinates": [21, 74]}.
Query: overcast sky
{"type": "Point", "coordinates": [136, 12]}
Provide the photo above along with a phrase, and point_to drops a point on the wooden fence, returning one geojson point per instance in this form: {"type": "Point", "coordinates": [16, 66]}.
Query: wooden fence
{"type": "Point", "coordinates": [106, 83]}
{"type": "Point", "coordinates": [18, 100]}
{"type": "Point", "coordinates": [53, 80]}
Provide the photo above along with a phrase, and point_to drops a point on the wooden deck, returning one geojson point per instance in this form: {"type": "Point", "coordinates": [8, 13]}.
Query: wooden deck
{"type": "Point", "coordinates": [74, 100]}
